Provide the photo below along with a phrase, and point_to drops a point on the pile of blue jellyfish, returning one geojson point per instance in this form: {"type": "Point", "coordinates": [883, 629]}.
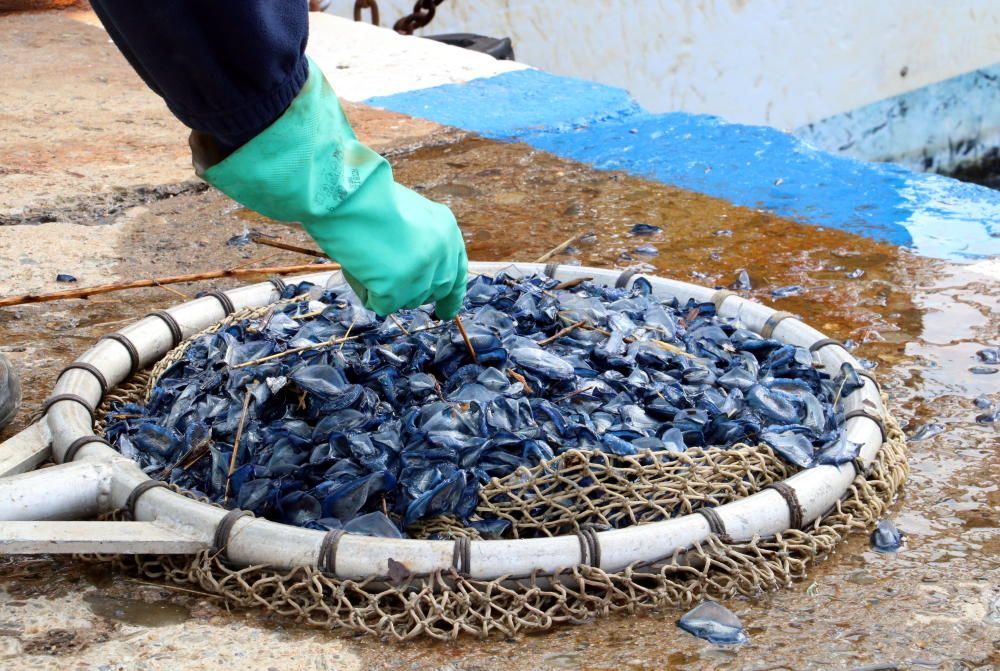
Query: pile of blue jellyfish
{"type": "Point", "coordinates": [347, 420]}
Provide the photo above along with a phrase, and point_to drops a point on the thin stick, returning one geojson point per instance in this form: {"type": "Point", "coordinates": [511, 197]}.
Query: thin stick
{"type": "Point", "coordinates": [187, 460]}
{"type": "Point", "coordinates": [437, 388]}
{"type": "Point", "coordinates": [174, 291]}
{"type": "Point", "coordinates": [399, 324]}
{"type": "Point", "coordinates": [347, 334]}
{"type": "Point", "coordinates": [465, 337]}
{"type": "Point", "coordinates": [656, 343]}
{"type": "Point", "coordinates": [308, 315]}
{"type": "Point", "coordinates": [264, 322]}
{"type": "Point", "coordinates": [514, 375]}
{"type": "Point", "coordinates": [155, 282]}
{"type": "Point", "coordinates": [236, 442]}
{"type": "Point", "coordinates": [516, 285]}
{"type": "Point", "coordinates": [261, 240]}
{"type": "Point", "coordinates": [560, 333]}
{"type": "Point", "coordinates": [175, 588]}
{"type": "Point", "coordinates": [569, 284]}
{"type": "Point", "coordinates": [555, 250]}
{"type": "Point", "coordinates": [573, 393]}
{"type": "Point", "coordinates": [112, 323]}
{"type": "Point", "coordinates": [294, 350]}
{"type": "Point", "coordinates": [325, 343]}
{"type": "Point", "coordinates": [261, 259]}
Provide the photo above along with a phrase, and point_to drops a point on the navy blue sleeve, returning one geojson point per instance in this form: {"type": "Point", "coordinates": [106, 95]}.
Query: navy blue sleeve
{"type": "Point", "coordinates": [228, 68]}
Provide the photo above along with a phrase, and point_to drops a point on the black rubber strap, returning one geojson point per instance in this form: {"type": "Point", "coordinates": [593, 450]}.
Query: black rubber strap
{"type": "Point", "coordinates": [869, 376]}
{"type": "Point", "coordinates": [58, 398]}
{"type": "Point", "coordinates": [590, 547]}
{"type": "Point", "coordinates": [133, 353]}
{"type": "Point", "coordinates": [327, 560]}
{"type": "Point", "coordinates": [623, 279]}
{"type": "Point", "coordinates": [715, 523]}
{"type": "Point", "coordinates": [772, 322]}
{"type": "Point", "coordinates": [90, 368]}
{"type": "Point", "coordinates": [135, 494]}
{"type": "Point", "coordinates": [168, 319]}
{"type": "Point", "coordinates": [820, 344]}
{"type": "Point", "coordinates": [75, 446]}
{"type": "Point", "coordinates": [720, 296]}
{"type": "Point", "coordinates": [224, 301]}
{"type": "Point", "coordinates": [461, 556]}
{"type": "Point", "coordinates": [791, 498]}
{"type": "Point", "coordinates": [221, 539]}
{"type": "Point", "coordinates": [279, 284]}
{"type": "Point", "coordinates": [875, 418]}
{"type": "Point", "coordinates": [550, 269]}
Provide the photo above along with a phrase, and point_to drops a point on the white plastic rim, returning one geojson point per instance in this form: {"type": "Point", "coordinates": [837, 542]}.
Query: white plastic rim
{"type": "Point", "coordinates": [254, 541]}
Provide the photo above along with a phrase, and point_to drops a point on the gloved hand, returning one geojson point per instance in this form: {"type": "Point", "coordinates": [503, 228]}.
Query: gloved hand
{"type": "Point", "coordinates": [397, 249]}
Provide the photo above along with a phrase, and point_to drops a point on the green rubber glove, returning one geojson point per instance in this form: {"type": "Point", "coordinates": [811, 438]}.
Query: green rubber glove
{"type": "Point", "coordinates": [397, 249]}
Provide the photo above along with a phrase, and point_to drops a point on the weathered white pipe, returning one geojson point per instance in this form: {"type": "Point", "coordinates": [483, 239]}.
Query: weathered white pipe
{"type": "Point", "coordinates": [622, 547]}
{"type": "Point", "coordinates": [66, 492]}
{"type": "Point", "coordinates": [264, 542]}
{"type": "Point", "coordinates": [67, 421]}
{"type": "Point", "coordinates": [357, 558]}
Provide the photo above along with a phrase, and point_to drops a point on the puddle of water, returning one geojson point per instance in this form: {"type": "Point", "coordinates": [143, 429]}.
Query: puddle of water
{"type": "Point", "coordinates": [136, 612]}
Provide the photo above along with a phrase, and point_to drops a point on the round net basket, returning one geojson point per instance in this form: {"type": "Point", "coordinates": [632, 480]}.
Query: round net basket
{"type": "Point", "coordinates": [585, 495]}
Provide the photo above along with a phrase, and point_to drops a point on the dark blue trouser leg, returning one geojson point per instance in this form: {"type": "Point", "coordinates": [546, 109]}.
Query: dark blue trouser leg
{"type": "Point", "coordinates": [228, 68]}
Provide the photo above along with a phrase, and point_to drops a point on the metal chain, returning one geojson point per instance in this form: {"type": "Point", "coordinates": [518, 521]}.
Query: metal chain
{"type": "Point", "coordinates": [361, 5]}
{"type": "Point", "coordinates": [422, 14]}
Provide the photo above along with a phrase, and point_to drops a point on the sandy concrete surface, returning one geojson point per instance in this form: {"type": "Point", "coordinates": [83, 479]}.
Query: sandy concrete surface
{"type": "Point", "coordinates": [78, 121]}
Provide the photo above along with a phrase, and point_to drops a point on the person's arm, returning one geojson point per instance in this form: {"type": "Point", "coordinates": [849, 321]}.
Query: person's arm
{"type": "Point", "coordinates": [268, 131]}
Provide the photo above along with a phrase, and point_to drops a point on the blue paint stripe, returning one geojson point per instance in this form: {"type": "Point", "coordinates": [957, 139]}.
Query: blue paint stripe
{"type": "Point", "coordinates": [748, 165]}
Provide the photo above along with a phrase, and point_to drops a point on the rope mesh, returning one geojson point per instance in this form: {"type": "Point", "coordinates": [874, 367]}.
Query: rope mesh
{"type": "Point", "coordinates": [576, 490]}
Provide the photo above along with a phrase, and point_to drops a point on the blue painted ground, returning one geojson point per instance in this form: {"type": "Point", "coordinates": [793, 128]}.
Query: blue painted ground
{"type": "Point", "coordinates": [752, 166]}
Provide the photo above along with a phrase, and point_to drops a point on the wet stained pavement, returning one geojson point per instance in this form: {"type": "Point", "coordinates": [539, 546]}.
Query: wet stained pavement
{"type": "Point", "coordinates": [935, 605]}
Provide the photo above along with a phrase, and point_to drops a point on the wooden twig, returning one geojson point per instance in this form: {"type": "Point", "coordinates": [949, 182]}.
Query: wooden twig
{"type": "Point", "coordinates": [514, 375]}
{"type": "Point", "coordinates": [155, 282]}
{"type": "Point", "coordinates": [270, 242]}
{"type": "Point", "coordinates": [325, 343]}
{"type": "Point", "coordinates": [308, 315]}
{"type": "Point", "coordinates": [560, 333]}
{"type": "Point", "coordinates": [516, 285]}
{"type": "Point", "coordinates": [294, 350]}
{"type": "Point", "coordinates": [174, 291]}
{"type": "Point", "coordinates": [575, 392]}
{"type": "Point", "coordinates": [259, 259]}
{"type": "Point", "coordinates": [186, 461]}
{"type": "Point", "coordinates": [569, 284]}
{"type": "Point", "coordinates": [656, 343]}
{"type": "Point", "coordinates": [347, 334]}
{"type": "Point", "coordinates": [555, 250]}
{"type": "Point", "coordinates": [236, 442]}
{"type": "Point", "coordinates": [175, 588]}
{"type": "Point", "coordinates": [399, 324]}
{"type": "Point", "coordinates": [465, 337]}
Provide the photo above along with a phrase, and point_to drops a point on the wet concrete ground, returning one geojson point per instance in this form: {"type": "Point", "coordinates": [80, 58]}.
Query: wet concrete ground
{"type": "Point", "coordinates": [936, 605]}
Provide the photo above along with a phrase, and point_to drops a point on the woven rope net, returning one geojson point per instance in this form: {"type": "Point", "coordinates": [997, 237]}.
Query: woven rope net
{"type": "Point", "coordinates": [574, 491]}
